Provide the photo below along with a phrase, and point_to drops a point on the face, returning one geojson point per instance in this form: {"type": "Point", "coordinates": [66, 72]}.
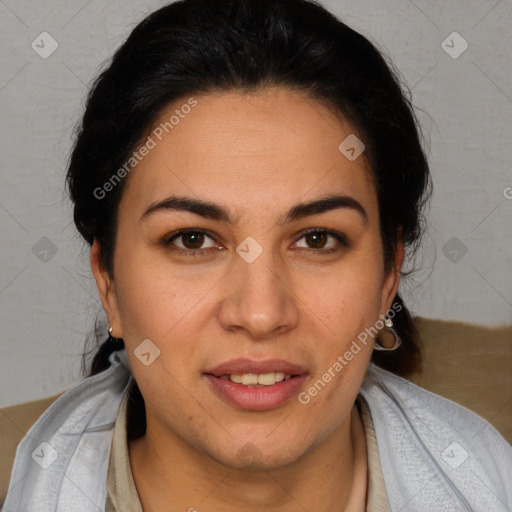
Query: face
{"type": "Point", "coordinates": [245, 233]}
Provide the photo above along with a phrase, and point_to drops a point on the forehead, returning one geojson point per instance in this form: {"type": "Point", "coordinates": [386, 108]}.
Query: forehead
{"type": "Point", "coordinates": [251, 149]}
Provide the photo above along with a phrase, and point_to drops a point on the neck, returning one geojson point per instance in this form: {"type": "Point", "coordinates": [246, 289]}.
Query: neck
{"type": "Point", "coordinates": [329, 477]}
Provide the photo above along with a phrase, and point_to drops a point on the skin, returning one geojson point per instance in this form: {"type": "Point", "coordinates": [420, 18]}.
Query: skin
{"type": "Point", "coordinates": [257, 155]}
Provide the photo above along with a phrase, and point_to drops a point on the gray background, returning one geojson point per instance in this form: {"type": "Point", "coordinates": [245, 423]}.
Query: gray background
{"type": "Point", "coordinates": [48, 301]}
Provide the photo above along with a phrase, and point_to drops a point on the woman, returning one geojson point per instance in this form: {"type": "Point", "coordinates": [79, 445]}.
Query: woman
{"type": "Point", "coordinates": [250, 178]}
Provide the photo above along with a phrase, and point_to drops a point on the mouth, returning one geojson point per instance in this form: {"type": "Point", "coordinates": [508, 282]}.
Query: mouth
{"type": "Point", "coordinates": [256, 385]}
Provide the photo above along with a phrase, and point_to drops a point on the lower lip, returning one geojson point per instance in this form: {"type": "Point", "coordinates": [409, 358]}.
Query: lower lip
{"type": "Point", "coordinates": [256, 398]}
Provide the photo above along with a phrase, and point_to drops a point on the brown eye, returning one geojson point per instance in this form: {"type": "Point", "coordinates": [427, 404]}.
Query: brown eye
{"type": "Point", "coordinates": [191, 240]}
{"type": "Point", "coordinates": [316, 240]}
{"type": "Point", "coordinates": [322, 241]}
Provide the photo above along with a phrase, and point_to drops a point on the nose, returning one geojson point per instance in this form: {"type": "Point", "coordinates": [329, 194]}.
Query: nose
{"type": "Point", "coordinates": [258, 300]}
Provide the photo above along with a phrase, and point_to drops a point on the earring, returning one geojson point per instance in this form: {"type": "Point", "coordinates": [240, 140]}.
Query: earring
{"type": "Point", "coordinates": [389, 324]}
{"type": "Point", "coordinates": [116, 343]}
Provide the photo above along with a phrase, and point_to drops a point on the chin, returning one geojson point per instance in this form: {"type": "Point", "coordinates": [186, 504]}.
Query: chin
{"type": "Point", "coordinates": [257, 457]}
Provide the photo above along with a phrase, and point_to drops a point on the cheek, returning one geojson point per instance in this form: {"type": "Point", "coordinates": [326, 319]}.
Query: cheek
{"type": "Point", "coordinates": [343, 308]}
{"type": "Point", "coordinates": [153, 299]}
{"type": "Point", "coordinates": [347, 307]}
{"type": "Point", "coordinates": [349, 298]}
{"type": "Point", "coordinates": [172, 310]}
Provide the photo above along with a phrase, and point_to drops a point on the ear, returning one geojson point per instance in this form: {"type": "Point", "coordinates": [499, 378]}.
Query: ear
{"type": "Point", "coordinates": [106, 290]}
{"type": "Point", "coordinates": [392, 278]}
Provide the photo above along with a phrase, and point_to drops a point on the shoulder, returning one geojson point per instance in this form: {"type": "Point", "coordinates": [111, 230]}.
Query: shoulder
{"type": "Point", "coordinates": [15, 421]}
{"type": "Point", "coordinates": [436, 447]}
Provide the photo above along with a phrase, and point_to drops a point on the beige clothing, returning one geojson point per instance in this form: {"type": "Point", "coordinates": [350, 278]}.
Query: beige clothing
{"type": "Point", "coordinates": [377, 496]}
{"type": "Point", "coordinates": [121, 491]}
{"type": "Point", "coordinates": [122, 494]}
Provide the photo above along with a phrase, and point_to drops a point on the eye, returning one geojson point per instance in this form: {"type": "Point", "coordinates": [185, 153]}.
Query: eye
{"type": "Point", "coordinates": [322, 240]}
{"type": "Point", "coordinates": [191, 240]}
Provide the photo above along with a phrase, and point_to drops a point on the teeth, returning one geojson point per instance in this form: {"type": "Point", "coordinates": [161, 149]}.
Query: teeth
{"type": "Point", "coordinates": [267, 379]}
{"type": "Point", "coordinates": [261, 379]}
{"type": "Point", "coordinates": [249, 379]}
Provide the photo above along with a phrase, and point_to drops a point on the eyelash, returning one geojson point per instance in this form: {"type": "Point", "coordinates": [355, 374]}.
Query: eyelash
{"type": "Point", "coordinates": [339, 237]}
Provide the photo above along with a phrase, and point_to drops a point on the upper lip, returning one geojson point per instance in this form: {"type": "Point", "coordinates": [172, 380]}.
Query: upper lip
{"type": "Point", "coordinates": [244, 365]}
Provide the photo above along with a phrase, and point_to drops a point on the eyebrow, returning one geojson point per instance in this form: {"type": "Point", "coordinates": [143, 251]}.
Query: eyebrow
{"type": "Point", "coordinates": [214, 211]}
